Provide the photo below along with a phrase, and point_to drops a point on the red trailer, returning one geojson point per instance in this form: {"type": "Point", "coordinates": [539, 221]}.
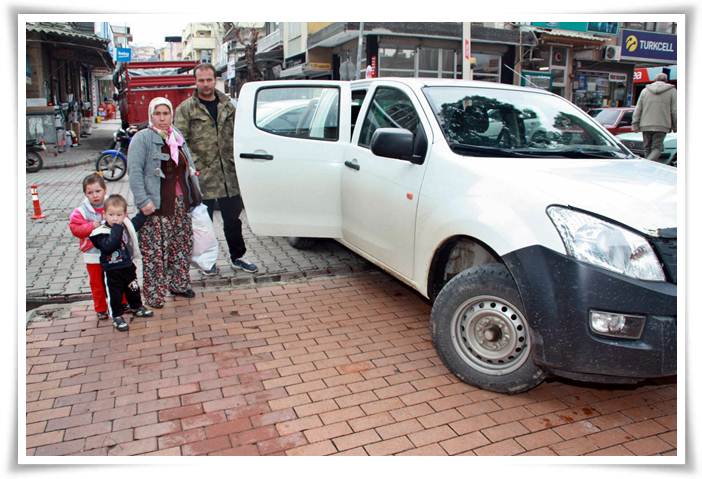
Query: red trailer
{"type": "Point", "coordinates": [138, 83]}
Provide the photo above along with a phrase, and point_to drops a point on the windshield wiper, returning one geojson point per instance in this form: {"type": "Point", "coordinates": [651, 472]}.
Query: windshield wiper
{"type": "Point", "coordinates": [490, 151]}
{"type": "Point", "coordinates": [581, 152]}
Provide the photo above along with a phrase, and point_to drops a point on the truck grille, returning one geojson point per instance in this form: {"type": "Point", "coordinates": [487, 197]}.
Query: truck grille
{"type": "Point", "coordinates": [667, 249]}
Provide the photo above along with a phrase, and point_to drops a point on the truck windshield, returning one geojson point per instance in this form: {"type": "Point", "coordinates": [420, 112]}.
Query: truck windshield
{"type": "Point", "coordinates": [519, 123]}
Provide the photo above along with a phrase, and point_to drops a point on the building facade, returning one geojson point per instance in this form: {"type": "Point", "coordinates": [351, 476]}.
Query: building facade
{"type": "Point", "coordinates": [64, 63]}
{"type": "Point", "coordinates": [202, 41]}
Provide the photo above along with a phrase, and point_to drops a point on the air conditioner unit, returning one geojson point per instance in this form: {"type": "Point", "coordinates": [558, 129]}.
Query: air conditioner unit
{"type": "Point", "coordinates": [612, 53]}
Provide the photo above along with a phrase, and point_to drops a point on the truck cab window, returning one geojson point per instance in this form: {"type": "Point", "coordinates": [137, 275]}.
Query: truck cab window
{"type": "Point", "coordinates": [390, 108]}
{"type": "Point", "coordinates": [357, 97]}
{"type": "Point", "coordinates": [307, 112]}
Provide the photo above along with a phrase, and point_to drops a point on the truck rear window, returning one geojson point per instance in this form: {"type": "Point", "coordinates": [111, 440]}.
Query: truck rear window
{"type": "Point", "coordinates": [301, 112]}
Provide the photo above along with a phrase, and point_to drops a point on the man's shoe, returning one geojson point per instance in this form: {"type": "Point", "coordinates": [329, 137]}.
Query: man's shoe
{"type": "Point", "coordinates": [244, 265]}
{"type": "Point", "coordinates": [142, 312]}
{"type": "Point", "coordinates": [120, 324]}
{"type": "Point", "coordinates": [103, 316]}
{"type": "Point", "coordinates": [188, 293]}
{"type": "Point", "coordinates": [210, 272]}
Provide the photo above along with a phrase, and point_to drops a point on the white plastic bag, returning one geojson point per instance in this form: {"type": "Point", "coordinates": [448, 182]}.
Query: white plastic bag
{"type": "Point", "coordinates": [205, 245]}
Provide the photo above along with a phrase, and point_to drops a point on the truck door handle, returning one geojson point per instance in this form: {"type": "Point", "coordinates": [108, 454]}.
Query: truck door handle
{"type": "Point", "coordinates": [255, 156]}
{"type": "Point", "coordinates": [352, 164]}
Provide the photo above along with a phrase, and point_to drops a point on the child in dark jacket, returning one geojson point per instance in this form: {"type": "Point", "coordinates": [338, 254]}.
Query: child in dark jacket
{"type": "Point", "coordinates": [118, 245]}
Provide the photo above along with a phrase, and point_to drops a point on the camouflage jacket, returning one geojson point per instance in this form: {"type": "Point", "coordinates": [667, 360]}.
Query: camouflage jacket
{"type": "Point", "coordinates": [212, 146]}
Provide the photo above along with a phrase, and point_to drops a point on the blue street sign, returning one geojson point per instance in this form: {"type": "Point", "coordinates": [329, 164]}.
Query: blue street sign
{"type": "Point", "coordinates": [124, 55]}
{"type": "Point", "coordinates": [638, 45]}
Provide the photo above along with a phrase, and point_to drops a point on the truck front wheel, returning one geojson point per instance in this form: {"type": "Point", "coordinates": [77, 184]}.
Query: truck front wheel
{"type": "Point", "coordinates": [480, 331]}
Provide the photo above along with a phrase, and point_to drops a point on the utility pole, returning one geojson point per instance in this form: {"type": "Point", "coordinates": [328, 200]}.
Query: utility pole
{"type": "Point", "coordinates": [358, 52]}
{"type": "Point", "coordinates": [467, 70]}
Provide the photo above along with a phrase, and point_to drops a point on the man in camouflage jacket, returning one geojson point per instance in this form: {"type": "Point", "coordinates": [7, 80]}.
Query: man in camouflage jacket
{"type": "Point", "coordinates": [206, 120]}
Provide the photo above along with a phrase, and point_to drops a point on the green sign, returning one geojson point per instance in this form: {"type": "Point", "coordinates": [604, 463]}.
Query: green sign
{"type": "Point", "coordinates": [610, 28]}
{"type": "Point", "coordinates": [575, 26]}
{"type": "Point", "coordinates": [536, 79]}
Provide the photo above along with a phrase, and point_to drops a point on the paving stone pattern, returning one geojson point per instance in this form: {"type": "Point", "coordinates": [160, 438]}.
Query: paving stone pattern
{"type": "Point", "coordinates": [326, 366]}
{"type": "Point", "coordinates": [55, 268]}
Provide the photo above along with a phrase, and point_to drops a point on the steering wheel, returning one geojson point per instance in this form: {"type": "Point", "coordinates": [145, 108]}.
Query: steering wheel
{"type": "Point", "coordinates": [539, 137]}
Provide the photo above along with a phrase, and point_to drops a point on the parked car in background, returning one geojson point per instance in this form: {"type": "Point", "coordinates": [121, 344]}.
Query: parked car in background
{"type": "Point", "coordinates": [634, 141]}
{"type": "Point", "coordinates": [616, 120]}
{"type": "Point", "coordinates": [545, 245]}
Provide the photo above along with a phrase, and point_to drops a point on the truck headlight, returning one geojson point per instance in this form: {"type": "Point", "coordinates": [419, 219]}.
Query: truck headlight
{"type": "Point", "coordinates": [606, 245]}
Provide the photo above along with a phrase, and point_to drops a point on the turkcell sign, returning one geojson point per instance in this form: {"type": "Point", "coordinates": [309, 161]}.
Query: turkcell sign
{"type": "Point", "coordinates": [638, 45]}
{"type": "Point", "coordinates": [124, 55]}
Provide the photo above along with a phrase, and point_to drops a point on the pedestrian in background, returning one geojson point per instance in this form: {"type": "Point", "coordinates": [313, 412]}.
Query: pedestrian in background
{"type": "Point", "coordinates": [206, 120]}
{"type": "Point", "coordinates": [656, 115]}
{"type": "Point", "coordinates": [116, 239]}
{"type": "Point", "coordinates": [165, 188]}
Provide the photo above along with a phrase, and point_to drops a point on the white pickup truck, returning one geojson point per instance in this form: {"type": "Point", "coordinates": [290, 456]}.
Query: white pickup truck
{"type": "Point", "coordinates": [544, 244]}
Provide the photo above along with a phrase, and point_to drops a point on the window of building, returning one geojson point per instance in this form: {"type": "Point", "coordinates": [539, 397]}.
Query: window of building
{"type": "Point", "coordinates": [390, 108]}
{"type": "Point", "coordinates": [397, 61]}
{"type": "Point", "coordinates": [665, 27]}
{"type": "Point", "coordinates": [294, 30]}
{"type": "Point", "coordinates": [559, 65]}
{"type": "Point", "coordinates": [426, 62]}
{"type": "Point", "coordinates": [487, 67]}
{"type": "Point", "coordinates": [660, 27]}
{"type": "Point", "coordinates": [448, 64]}
{"type": "Point", "coordinates": [429, 61]}
{"type": "Point", "coordinates": [593, 89]}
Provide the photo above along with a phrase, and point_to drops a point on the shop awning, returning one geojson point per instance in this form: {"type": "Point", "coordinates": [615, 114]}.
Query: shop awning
{"type": "Point", "coordinates": [306, 70]}
{"type": "Point", "coordinates": [569, 37]}
{"type": "Point", "coordinates": [86, 47]}
{"type": "Point", "coordinates": [263, 59]}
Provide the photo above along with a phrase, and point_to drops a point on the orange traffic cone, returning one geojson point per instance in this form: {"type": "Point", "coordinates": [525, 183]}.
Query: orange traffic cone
{"type": "Point", "coordinates": [37, 206]}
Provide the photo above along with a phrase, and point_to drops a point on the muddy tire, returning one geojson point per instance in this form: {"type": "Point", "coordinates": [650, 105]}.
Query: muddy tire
{"type": "Point", "coordinates": [301, 243]}
{"type": "Point", "coordinates": [481, 333]}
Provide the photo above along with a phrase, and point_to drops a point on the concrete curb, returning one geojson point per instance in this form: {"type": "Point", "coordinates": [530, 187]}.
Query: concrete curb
{"type": "Point", "coordinates": [234, 282]}
{"type": "Point", "coordinates": [68, 164]}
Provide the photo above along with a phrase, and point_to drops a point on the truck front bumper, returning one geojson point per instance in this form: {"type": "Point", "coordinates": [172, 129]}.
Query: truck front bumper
{"type": "Point", "coordinates": [558, 294]}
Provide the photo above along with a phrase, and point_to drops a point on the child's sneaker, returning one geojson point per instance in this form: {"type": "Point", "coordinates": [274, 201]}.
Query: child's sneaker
{"type": "Point", "coordinates": [119, 323]}
{"type": "Point", "coordinates": [103, 316]}
{"type": "Point", "coordinates": [142, 312]}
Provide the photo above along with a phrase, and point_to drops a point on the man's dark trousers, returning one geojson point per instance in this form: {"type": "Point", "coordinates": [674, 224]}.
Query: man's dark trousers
{"type": "Point", "coordinates": [653, 144]}
{"type": "Point", "coordinates": [230, 208]}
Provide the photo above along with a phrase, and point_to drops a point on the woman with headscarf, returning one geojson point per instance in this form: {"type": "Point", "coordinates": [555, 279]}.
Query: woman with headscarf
{"type": "Point", "coordinates": [163, 183]}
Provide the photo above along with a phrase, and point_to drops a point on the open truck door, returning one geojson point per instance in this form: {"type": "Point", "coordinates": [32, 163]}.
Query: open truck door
{"type": "Point", "coordinates": [289, 143]}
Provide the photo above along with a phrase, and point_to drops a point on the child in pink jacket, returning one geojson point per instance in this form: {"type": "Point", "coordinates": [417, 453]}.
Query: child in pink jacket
{"type": "Point", "coordinates": [83, 221]}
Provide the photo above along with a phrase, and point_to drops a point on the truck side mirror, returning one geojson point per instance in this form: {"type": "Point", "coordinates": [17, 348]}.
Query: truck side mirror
{"type": "Point", "coordinates": [395, 143]}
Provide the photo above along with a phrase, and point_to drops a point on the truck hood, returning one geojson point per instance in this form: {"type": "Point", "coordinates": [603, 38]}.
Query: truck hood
{"type": "Point", "coordinates": [641, 194]}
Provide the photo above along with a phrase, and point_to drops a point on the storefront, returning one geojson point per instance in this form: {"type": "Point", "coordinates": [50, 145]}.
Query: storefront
{"type": "Point", "coordinates": [62, 87]}
{"type": "Point", "coordinates": [643, 76]}
{"type": "Point", "coordinates": [651, 53]}
{"type": "Point", "coordinates": [597, 85]}
{"type": "Point", "coordinates": [569, 60]}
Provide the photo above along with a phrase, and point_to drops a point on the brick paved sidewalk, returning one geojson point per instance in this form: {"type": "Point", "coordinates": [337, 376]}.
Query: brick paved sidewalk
{"type": "Point", "coordinates": [328, 366]}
